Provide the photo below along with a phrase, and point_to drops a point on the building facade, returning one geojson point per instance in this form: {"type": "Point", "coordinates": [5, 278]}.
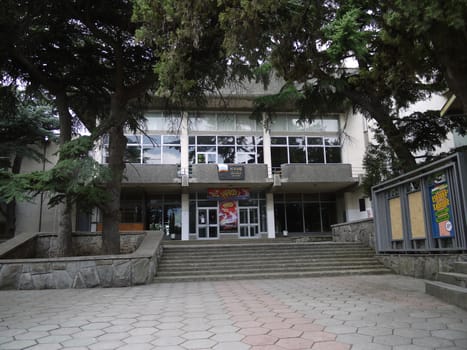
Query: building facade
{"type": "Point", "coordinates": [219, 173]}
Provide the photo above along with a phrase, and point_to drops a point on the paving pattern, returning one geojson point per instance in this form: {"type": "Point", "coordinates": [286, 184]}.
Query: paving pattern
{"type": "Point", "coordinates": [331, 313]}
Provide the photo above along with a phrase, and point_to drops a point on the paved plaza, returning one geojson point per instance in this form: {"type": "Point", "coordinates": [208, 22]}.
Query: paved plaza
{"type": "Point", "coordinates": [384, 312]}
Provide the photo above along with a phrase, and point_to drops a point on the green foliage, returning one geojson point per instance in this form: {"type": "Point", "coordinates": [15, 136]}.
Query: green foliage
{"type": "Point", "coordinates": [76, 177]}
{"type": "Point", "coordinates": [26, 123]}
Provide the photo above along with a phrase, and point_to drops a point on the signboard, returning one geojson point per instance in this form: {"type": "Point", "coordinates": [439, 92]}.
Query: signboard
{"type": "Point", "coordinates": [231, 172]}
{"type": "Point", "coordinates": [228, 194]}
{"type": "Point", "coordinates": [441, 214]}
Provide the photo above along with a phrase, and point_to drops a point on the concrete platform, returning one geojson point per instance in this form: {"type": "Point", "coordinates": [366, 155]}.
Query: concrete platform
{"type": "Point", "coordinates": [387, 312]}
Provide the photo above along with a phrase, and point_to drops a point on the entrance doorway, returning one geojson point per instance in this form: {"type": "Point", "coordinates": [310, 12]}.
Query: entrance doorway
{"type": "Point", "coordinates": [249, 222]}
{"type": "Point", "coordinates": [207, 219]}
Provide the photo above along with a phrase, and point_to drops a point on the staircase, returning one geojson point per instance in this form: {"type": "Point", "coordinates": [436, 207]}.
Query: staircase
{"type": "Point", "coordinates": [220, 261]}
{"type": "Point", "coordinates": [451, 287]}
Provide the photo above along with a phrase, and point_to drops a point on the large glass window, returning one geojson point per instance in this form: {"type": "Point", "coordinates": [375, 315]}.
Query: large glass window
{"type": "Point", "coordinates": [300, 149]}
{"type": "Point", "coordinates": [151, 149]}
{"type": "Point", "coordinates": [225, 149]}
{"type": "Point", "coordinates": [306, 213]}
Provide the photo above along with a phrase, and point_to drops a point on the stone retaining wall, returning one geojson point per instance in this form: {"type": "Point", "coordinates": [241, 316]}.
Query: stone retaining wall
{"type": "Point", "coordinates": [122, 270]}
{"type": "Point", "coordinates": [417, 265]}
{"type": "Point", "coordinates": [362, 231]}
{"type": "Point", "coordinates": [425, 266]}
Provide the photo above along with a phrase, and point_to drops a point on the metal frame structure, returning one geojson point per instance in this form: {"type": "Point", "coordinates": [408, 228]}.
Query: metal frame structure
{"type": "Point", "coordinates": [404, 209]}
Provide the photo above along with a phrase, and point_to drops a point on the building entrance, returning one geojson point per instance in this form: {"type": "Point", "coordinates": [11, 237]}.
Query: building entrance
{"type": "Point", "coordinates": [249, 223]}
{"type": "Point", "coordinates": [207, 227]}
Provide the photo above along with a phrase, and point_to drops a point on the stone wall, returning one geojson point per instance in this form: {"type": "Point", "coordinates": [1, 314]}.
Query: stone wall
{"type": "Point", "coordinates": [362, 231]}
{"type": "Point", "coordinates": [86, 243]}
{"type": "Point", "coordinates": [425, 266]}
{"type": "Point", "coordinates": [122, 270]}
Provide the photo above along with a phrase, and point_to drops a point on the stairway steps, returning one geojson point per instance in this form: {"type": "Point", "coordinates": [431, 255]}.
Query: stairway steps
{"type": "Point", "coordinates": [198, 261]}
{"type": "Point", "coordinates": [457, 279]}
{"type": "Point", "coordinates": [167, 264]}
{"type": "Point", "coordinates": [253, 270]}
{"type": "Point", "coordinates": [451, 287]}
{"type": "Point", "coordinates": [307, 274]}
{"type": "Point", "coordinates": [447, 292]}
{"type": "Point", "coordinates": [460, 266]}
{"type": "Point", "coordinates": [251, 260]}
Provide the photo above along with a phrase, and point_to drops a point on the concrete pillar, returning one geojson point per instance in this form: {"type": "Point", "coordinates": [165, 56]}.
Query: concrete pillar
{"type": "Point", "coordinates": [184, 154]}
{"type": "Point", "coordinates": [185, 216]}
{"type": "Point", "coordinates": [270, 215]}
{"type": "Point", "coordinates": [267, 146]}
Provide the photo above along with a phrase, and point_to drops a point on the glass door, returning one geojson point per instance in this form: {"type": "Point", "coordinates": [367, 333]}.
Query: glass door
{"type": "Point", "coordinates": [208, 227]}
{"type": "Point", "coordinates": [249, 222]}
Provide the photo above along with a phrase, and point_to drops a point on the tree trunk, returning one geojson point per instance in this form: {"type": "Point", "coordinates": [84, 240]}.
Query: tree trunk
{"type": "Point", "coordinates": [451, 54]}
{"type": "Point", "coordinates": [111, 211]}
{"type": "Point", "coordinates": [382, 116]}
{"type": "Point", "coordinates": [65, 228]}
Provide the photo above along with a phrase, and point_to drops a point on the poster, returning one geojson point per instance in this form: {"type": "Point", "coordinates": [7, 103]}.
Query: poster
{"type": "Point", "coordinates": [441, 214]}
{"type": "Point", "coordinates": [228, 218]}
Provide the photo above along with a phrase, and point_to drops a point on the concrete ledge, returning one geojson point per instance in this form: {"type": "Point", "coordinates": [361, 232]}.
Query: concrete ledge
{"type": "Point", "coordinates": [120, 270]}
{"type": "Point", "coordinates": [451, 294]}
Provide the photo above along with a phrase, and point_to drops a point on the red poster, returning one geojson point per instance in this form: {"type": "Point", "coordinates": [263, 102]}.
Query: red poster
{"type": "Point", "coordinates": [228, 194]}
{"type": "Point", "coordinates": [228, 218]}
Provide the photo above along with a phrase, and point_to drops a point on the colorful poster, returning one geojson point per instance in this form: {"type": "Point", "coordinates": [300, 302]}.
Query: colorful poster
{"type": "Point", "coordinates": [441, 215]}
{"type": "Point", "coordinates": [228, 217]}
{"type": "Point", "coordinates": [228, 194]}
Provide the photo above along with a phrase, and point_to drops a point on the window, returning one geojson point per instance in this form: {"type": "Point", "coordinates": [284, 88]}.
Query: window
{"type": "Point", "coordinates": [226, 149]}
{"type": "Point", "coordinates": [361, 204]}
{"type": "Point", "coordinates": [300, 149]}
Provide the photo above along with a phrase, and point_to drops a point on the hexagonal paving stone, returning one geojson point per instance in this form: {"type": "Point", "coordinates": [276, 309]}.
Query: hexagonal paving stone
{"type": "Point", "coordinates": [53, 339]}
{"type": "Point", "coordinates": [18, 344]}
{"type": "Point", "coordinates": [341, 329]}
{"type": "Point", "coordinates": [319, 336]}
{"type": "Point", "coordinates": [308, 327]}
{"type": "Point", "coordinates": [375, 331]}
{"type": "Point", "coordinates": [449, 334]}
{"type": "Point", "coordinates": [88, 334]}
{"type": "Point", "coordinates": [199, 344]}
{"type": "Point", "coordinates": [253, 331]}
{"type": "Point", "coordinates": [392, 340]}
{"type": "Point", "coordinates": [138, 339]}
{"type": "Point", "coordinates": [432, 342]}
{"type": "Point", "coordinates": [75, 342]}
{"type": "Point", "coordinates": [166, 341]}
{"type": "Point", "coordinates": [227, 337]}
{"type": "Point", "coordinates": [354, 338]}
{"type": "Point", "coordinates": [295, 343]}
{"type": "Point", "coordinates": [106, 345]}
{"type": "Point", "coordinates": [31, 335]}
{"type": "Point", "coordinates": [286, 333]}
{"type": "Point", "coordinates": [259, 339]}
{"type": "Point", "coordinates": [46, 347]}
{"type": "Point", "coordinates": [330, 346]}
{"type": "Point", "coordinates": [96, 325]}
{"type": "Point", "coordinates": [371, 346]}
{"type": "Point", "coordinates": [231, 346]}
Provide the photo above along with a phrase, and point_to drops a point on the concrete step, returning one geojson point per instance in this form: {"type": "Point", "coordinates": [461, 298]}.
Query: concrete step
{"type": "Point", "coordinates": [447, 292]}
{"type": "Point", "coordinates": [169, 264]}
{"type": "Point", "coordinates": [251, 259]}
{"type": "Point", "coordinates": [253, 269]}
{"type": "Point", "coordinates": [460, 267]}
{"type": "Point", "coordinates": [457, 279]}
{"type": "Point", "coordinates": [307, 274]}
{"type": "Point", "coordinates": [215, 261]}
{"type": "Point", "coordinates": [268, 246]}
